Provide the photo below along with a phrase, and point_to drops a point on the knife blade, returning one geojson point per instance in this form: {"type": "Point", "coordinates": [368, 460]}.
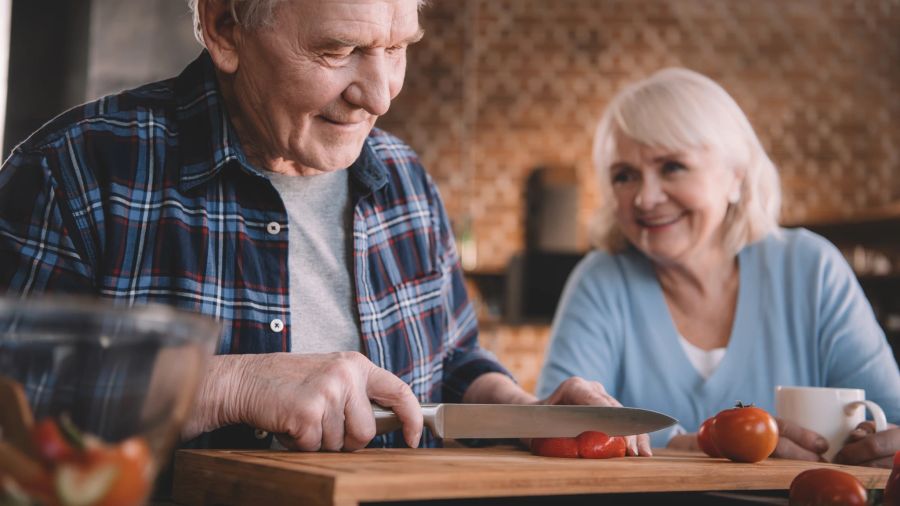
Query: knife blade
{"type": "Point", "coordinates": [500, 421]}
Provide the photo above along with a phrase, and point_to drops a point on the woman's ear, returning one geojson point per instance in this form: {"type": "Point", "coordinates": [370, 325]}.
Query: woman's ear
{"type": "Point", "coordinates": [220, 33]}
{"type": "Point", "coordinates": [737, 185]}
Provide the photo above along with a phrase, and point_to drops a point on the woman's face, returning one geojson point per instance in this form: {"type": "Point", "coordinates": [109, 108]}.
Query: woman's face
{"type": "Point", "coordinates": [671, 204]}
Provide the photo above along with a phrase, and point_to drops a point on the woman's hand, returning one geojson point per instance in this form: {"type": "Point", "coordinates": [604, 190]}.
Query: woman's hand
{"type": "Point", "coordinates": [795, 442]}
{"type": "Point", "coordinates": [865, 447]}
{"type": "Point", "coordinates": [684, 442]}
{"type": "Point", "coordinates": [577, 390]}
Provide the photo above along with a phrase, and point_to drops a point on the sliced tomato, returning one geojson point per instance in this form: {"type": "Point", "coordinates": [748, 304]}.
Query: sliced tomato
{"type": "Point", "coordinates": [598, 445]}
{"type": "Point", "coordinates": [565, 447]}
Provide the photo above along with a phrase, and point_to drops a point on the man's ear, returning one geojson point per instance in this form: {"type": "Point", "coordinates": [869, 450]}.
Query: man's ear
{"type": "Point", "coordinates": [220, 33]}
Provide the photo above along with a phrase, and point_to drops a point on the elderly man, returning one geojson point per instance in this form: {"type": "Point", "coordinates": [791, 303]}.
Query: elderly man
{"type": "Point", "coordinates": [223, 191]}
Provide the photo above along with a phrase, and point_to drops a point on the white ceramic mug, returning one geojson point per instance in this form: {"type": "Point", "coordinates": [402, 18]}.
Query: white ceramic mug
{"type": "Point", "coordinates": [832, 412]}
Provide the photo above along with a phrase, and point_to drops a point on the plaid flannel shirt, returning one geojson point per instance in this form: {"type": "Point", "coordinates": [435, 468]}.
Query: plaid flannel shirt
{"type": "Point", "coordinates": [147, 196]}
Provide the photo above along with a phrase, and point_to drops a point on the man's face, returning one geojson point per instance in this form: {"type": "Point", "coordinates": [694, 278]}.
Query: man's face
{"type": "Point", "coordinates": [310, 87]}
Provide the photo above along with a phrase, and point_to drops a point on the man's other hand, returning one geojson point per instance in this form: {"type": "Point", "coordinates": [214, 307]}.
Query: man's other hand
{"type": "Point", "coordinates": [577, 390]}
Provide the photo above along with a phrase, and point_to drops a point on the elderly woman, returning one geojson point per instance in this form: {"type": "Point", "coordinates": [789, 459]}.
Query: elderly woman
{"type": "Point", "coordinates": [700, 298]}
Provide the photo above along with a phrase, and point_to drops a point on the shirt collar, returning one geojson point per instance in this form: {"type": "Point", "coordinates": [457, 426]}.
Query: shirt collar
{"type": "Point", "coordinates": [208, 141]}
{"type": "Point", "coordinates": [206, 138]}
{"type": "Point", "coordinates": [368, 172]}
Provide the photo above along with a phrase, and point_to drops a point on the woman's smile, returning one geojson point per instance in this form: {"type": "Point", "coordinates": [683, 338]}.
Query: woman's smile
{"type": "Point", "coordinates": [659, 222]}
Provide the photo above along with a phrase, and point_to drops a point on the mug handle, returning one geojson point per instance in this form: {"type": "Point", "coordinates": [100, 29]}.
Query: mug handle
{"type": "Point", "coordinates": [877, 413]}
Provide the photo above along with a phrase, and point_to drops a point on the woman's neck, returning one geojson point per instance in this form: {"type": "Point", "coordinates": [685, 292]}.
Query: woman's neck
{"type": "Point", "coordinates": [701, 275]}
{"type": "Point", "coordinates": [701, 295]}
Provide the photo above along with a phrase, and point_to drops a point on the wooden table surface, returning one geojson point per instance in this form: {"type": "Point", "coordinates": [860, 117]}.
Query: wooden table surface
{"type": "Point", "coordinates": [237, 477]}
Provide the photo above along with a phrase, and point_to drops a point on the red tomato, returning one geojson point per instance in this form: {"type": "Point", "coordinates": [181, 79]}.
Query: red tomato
{"type": "Point", "coordinates": [826, 487]}
{"type": "Point", "coordinates": [597, 445]}
{"type": "Point", "coordinates": [745, 434]}
{"type": "Point", "coordinates": [704, 438]}
{"type": "Point", "coordinates": [565, 447]}
{"type": "Point", "coordinates": [892, 489]}
{"type": "Point", "coordinates": [51, 445]}
{"type": "Point", "coordinates": [133, 459]}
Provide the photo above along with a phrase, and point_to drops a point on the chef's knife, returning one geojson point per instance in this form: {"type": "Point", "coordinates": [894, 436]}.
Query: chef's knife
{"type": "Point", "coordinates": [489, 421]}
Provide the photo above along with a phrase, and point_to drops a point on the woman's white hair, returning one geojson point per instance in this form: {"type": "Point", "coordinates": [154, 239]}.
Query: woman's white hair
{"type": "Point", "coordinates": [679, 109]}
{"type": "Point", "coordinates": [250, 14]}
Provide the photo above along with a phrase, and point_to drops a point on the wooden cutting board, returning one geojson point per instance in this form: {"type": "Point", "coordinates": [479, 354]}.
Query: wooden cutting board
{"type": "Point", "coordinates": [232, 477]}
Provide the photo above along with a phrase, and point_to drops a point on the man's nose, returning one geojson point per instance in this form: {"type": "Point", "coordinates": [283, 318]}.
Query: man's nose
{"type": "Point", "coordinates": [650, 194]}
{"type": "Point", "coordinates": [377, 82]}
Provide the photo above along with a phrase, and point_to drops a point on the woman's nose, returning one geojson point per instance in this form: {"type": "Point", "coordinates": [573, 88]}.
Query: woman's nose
{"type": "Point", "coordinates": [649, 195]}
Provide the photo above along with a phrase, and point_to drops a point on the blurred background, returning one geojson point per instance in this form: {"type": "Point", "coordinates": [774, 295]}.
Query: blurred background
{"type": "Point", "coordinates": [501, 100]}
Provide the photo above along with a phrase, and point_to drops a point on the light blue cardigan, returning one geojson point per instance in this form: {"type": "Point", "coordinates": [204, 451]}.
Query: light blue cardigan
{"type": "Point", "coordinates": [801, 319]}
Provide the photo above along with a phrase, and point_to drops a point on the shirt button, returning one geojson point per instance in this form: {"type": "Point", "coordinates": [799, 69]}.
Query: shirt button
{"type": "Point", "coordinates": [260, 434]}
{"type": "Point", "coordinates": [276, 325]}
{"type": "Point", "coordinates": [273, 227]}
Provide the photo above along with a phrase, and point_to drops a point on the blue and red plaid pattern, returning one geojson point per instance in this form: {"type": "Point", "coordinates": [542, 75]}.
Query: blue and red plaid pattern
{"type": "Point", "coordinates": [147, 196]}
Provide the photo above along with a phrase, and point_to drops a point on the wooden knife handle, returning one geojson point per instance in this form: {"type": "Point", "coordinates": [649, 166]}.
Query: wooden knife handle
{"type": "Point", "coordinates": [16, 418]}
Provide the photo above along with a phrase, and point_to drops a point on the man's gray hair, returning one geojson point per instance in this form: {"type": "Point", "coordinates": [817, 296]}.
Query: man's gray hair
{"type": "Point", "coordinates": [250, 14]}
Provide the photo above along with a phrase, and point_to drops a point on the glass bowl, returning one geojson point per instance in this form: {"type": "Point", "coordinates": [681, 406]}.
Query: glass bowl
{"type": "Point", "coordinates": [110, 382]}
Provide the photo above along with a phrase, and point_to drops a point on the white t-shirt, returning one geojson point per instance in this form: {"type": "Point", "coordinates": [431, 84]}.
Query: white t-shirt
{"type": "Point", "coordinates": [323, 305]}
{"type": "Point", "coordinates": [705, 361]}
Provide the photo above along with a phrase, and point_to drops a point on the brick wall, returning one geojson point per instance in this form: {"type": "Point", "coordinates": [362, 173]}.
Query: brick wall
{"type": "Point", "coordinates": [499, 87]}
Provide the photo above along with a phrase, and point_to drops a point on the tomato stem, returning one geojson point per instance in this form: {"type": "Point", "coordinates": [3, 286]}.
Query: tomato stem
{"type": "Point", "coordinates": [71, 432]}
